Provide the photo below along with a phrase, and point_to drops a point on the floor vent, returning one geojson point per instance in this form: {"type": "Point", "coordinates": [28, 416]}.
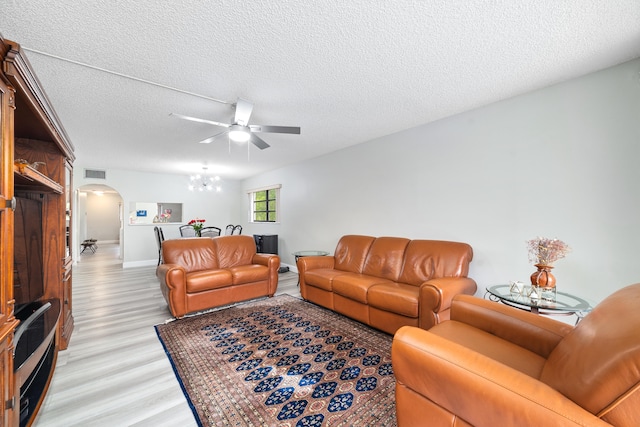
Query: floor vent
{"type": "Point", "coordinates": [92, 173]}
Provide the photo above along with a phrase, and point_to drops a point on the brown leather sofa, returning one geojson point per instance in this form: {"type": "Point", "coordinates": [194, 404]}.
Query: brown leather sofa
{"type": "Point", "coordinates": [493, 365]}
{"type": "Point", "coordinates": [388, 282]}
{"type": "Point", "coordinates": [201, 273]}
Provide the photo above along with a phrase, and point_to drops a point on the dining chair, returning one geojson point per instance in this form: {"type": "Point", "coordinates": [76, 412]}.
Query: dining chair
{"type": "Point", "coordinates": [210, 232]}
{"type": "Point", "coordinates": [237, 229]}
{"type": "Point", "coordinates": [228, 230]}
{"type": "Point", "coordinates": [187, 231]}
{"type": "Point", "coordinates": [159, 239]}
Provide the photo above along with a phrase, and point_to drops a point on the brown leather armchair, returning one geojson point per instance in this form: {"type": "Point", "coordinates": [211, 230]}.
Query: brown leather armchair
{"type": "Point", "coordinates": [493, 365]}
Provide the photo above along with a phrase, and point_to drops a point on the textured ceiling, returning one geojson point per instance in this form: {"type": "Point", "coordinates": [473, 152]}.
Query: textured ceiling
{"type": "Point", "coordinates": [345, 72]}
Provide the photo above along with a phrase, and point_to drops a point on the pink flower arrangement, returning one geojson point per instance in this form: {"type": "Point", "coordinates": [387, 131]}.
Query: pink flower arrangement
{"type": "Point", "coordinates": [197, 224]}
{"type": "Point", "coordinates": [546, 251]}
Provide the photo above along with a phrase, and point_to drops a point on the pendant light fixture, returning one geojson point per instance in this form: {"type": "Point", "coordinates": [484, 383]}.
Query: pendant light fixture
{"type": "Point", "coordinates": [204, 182]}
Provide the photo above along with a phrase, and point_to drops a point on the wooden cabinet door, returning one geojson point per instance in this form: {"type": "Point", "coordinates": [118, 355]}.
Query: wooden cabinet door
{"type": "Point", "coordinates": [6, 203]}
{"type": "Point", "coordinates": [66, 317]}
{"type": "Point", "coordinates": [9, 398]}
{"type": "Point", "coordinates": [7, 319]}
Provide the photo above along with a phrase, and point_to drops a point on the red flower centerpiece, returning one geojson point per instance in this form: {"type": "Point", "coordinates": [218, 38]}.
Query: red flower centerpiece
{"type": "Point", "coordinates": [197, 225]}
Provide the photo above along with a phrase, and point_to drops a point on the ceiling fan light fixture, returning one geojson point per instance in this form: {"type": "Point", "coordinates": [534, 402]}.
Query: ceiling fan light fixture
{"type": "Point", "coordinates": [239, 133]}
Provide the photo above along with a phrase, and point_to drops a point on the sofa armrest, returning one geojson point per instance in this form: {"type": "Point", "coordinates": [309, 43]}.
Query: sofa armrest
{"type": "Point", "coordinates": [268, 260]}
{"type": "Point", "coordinates": [173, 284]}
{"type": "Point", "coordinates": [309, 263]}
{"type": "Point", "coordinates": [315, 262]}
{"type": "Point", "coordinates": [536, 333]}
{"type": "Point", "coordinates": [272, 262]}
{"type": "Point", "coordinates": [436, 296]}
{"type": "Point", "coordinates": [432, 370]}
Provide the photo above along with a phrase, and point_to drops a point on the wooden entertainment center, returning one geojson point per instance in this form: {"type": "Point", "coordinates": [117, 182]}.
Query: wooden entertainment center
{"type": "Point", "coordinates": [35, 236]}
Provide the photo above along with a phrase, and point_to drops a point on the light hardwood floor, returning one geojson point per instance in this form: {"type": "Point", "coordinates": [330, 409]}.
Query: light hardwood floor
{"type": "Point", "coordinates": [115, 371]}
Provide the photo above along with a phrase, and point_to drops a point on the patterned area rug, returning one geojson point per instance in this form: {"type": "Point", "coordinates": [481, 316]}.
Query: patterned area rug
{"type": "Point", "coordinates": [282, 361]}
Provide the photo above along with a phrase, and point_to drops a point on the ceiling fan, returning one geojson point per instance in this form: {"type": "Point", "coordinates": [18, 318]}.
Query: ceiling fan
{"type": "Point", "coordinates": [240, 130]}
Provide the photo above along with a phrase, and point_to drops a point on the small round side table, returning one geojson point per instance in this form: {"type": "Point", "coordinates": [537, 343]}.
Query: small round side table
{"type": "Point", "coordinates": [564, 304]}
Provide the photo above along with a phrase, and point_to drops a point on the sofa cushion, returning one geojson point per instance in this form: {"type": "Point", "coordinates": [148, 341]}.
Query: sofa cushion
{"type": "Point", "coordinates": [351, 252]}
{"type": "Point", "coordinates": [205, 280]}
{"type": "Point", "coordinates": [249, 273]}
{"type": "Point", "coordinates": [322, 278]}
{"type": "Point", "coordinates": [424, 259]}
{"type": "Point", "coordinates": [355, 286]}
{"type": "Point", "coordinates": [397, 298]}
{"type": "Point", "coordinates": [385, 257]}
{"type": "Point", "coordinates": [234, 250]}
{"type": "Point", "coordinates": [193, 254]}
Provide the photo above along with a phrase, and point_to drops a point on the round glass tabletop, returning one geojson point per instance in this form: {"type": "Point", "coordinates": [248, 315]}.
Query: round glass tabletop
{"type": "Point", "coordinates": [310, 253]}
{"type": "Point", "coordinates": [521, 294]}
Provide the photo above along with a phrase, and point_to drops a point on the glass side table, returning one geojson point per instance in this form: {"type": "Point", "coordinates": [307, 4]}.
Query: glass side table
{"type": "Point", "coordinates": [564, 304]}
{"type": "Point", "coordinates": [301, 254]}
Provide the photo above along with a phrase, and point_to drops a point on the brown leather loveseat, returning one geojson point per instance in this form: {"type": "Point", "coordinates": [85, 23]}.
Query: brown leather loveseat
{"type": "Point", "coordinates": [388, 282]}
{"type": "Point", "coordinates": [201, 273]}
{"type": "Point", "coordinates": [494, 365]}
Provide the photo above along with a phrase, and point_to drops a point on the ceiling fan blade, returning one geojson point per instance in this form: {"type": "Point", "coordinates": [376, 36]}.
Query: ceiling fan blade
{"type": "Point", "coordinates": [275, 129]}
{"type": "Point", "coordinates": [259, 142]}
{"type": "Point", "coordinates": [212, 138]}
{"type": "Point", "coordinates": [243, 111]}
{"type": "Point", "coordinates": [195, 119]}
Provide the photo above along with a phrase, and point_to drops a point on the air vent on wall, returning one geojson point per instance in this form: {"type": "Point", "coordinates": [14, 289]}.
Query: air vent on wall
{"type": "Point", "coordinates": [92, 173]}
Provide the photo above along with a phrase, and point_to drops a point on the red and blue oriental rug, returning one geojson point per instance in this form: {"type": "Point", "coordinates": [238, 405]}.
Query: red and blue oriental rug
{"type": "Point", "coordinates": [282, 362]}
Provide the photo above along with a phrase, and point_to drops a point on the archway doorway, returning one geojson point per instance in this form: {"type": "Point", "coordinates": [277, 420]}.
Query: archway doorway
{"type": "Point", "coordinates": [100, 215]}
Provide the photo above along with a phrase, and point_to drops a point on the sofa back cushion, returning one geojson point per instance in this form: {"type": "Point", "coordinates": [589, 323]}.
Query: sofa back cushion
{"type": "Point", "coordinates": [597, 365]}
{"type": "Point", "coordinates": [426, 259]}
{"type": "Point", "coordinates": [234, 250]}
{"type": "Point", "coordinates": [385, 257]}
{"type": "Point", "coordinates": [193, 254]}
{"type": "Point", "coordinates": [351, 252]}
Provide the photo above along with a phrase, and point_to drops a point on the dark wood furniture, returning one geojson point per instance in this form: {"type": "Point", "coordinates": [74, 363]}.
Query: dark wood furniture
{"type": "Point", "coordinates": [35, 235]}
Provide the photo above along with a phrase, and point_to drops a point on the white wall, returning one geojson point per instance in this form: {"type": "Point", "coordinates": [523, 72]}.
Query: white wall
{"type": "Point", "coordinates": [102, 217]}
{"type": "Point", "coordinates": [218, 209]}
{"type": "Point", "coordinates": [560, 162]}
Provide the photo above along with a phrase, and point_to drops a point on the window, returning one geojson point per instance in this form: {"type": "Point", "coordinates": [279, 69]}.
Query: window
{"type": "Point", "coordinates": [264, 204]}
